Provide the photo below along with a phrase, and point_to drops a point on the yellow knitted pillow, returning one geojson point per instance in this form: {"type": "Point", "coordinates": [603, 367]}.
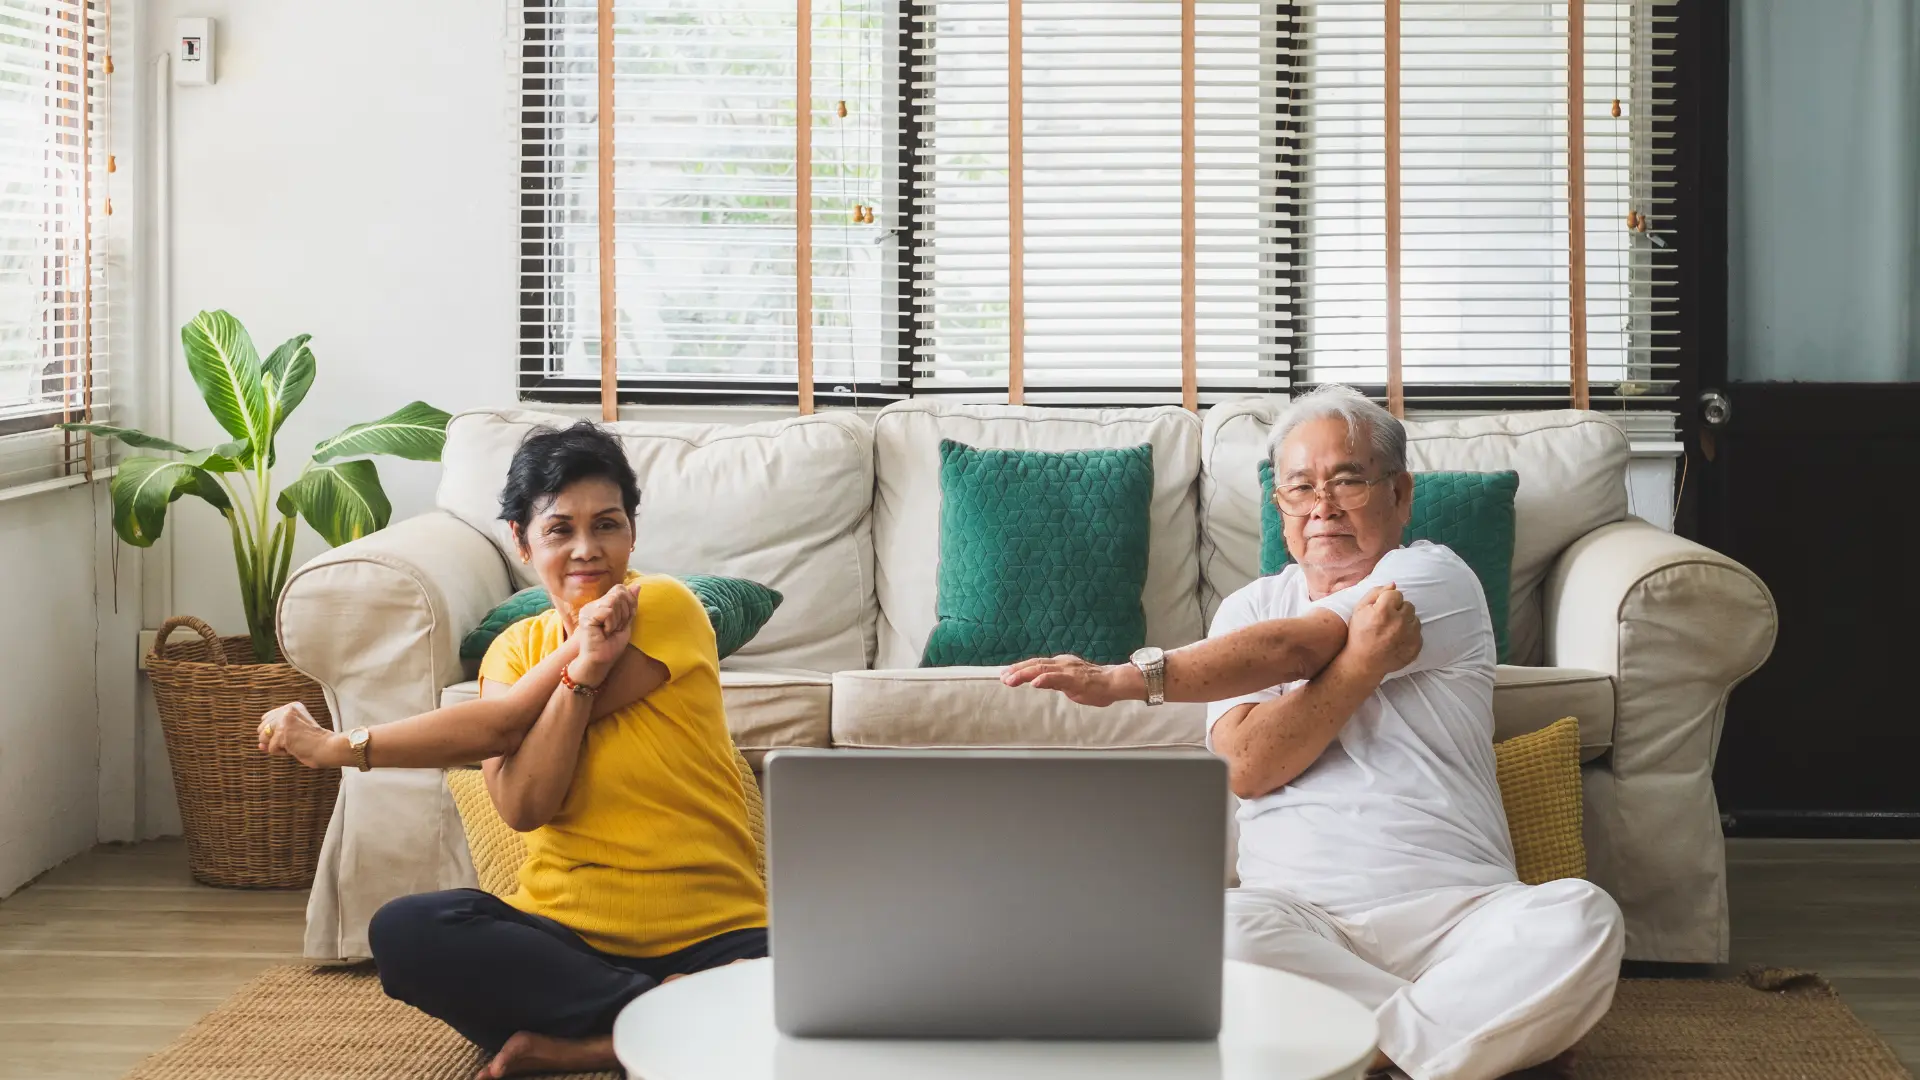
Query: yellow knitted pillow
{"type": "Point", "coordinates": [1540, 784]}
{"type": "Point", "coordinates": [498, 851]}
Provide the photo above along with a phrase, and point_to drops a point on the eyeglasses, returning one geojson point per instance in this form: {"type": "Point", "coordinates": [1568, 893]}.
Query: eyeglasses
{"type": "Point", "coordinates": [1342, 492]}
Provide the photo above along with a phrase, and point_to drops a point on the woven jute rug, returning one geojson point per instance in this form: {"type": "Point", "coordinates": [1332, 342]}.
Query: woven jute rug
{"type": "Point", "coordinates": [298, 1023]}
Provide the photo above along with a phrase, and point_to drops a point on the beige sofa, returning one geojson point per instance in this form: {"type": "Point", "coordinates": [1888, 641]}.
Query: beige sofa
{"type": "Point", "coordinates": [1639, 633]}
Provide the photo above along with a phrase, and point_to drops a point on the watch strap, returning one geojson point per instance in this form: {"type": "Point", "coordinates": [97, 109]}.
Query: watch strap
{"type": "Point", "coordinates": [1156, 676]}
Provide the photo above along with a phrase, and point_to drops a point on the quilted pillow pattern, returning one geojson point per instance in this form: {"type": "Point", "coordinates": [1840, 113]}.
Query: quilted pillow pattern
{"type": "Point", "coordinates": [736, 607]}
{"type": "Point", "coordinates": [1470, 512]}
{"type": "Point", "coordinates": [1041, 553]}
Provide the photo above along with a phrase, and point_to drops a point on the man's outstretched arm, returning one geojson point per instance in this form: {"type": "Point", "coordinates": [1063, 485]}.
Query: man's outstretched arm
{"type": "Point", "coordinates": [1266, 745]}
{"type": "Point", "coordinates": [1243, 661]}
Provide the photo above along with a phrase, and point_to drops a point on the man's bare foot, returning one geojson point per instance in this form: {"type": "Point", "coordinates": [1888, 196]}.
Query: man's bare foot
{"type": "Point", "coordinates": [530, 1053]}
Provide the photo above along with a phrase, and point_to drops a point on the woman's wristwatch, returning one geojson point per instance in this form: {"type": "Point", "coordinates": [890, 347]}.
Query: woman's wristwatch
{"type": "Point", "coordinates": [358, 740]}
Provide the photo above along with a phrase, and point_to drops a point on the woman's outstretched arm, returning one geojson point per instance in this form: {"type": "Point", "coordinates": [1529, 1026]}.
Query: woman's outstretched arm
{"type": "Point", "coordinates": [469, 731]}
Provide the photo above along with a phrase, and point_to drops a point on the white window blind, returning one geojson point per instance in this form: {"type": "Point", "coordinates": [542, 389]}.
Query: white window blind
{"type": "Point", "coordinates": [1485, 276]}
{"type": "Point", "coordinates": [53, 203]}
{"type": "Point", "coordinates": [1006, 207]}
{"type": "Point", "coordinates": [704, 193]}
{"type": "Point", "coordinates": [1101, 200]}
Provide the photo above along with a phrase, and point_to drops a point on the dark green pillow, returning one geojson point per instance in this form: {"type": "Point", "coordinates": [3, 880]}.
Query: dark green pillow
{"type": "Point", "coordinates": [736, 607]}
{"type": "Point", "coordinates": [1470, 512]}
{"type": "Point", "coordinates": [1041, 553]}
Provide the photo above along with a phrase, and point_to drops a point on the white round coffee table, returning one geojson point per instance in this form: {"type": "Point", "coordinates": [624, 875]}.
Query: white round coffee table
{"type": "Point", "coordinates": [719, 1024]}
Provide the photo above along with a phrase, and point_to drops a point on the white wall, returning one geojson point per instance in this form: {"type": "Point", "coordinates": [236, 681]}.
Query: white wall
{"type": "Point", "coordinates": [54, 549]}
{"type": "Point", "coordinates": [352, 174]}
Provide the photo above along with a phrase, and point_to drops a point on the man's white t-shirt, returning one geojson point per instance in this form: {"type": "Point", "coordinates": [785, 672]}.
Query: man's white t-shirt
{"type": "Point", "coordinates": [1405, 799]}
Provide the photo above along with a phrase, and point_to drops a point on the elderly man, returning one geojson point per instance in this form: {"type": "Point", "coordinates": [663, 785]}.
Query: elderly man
{"type": "Point", "coordinates": [1352, 697]}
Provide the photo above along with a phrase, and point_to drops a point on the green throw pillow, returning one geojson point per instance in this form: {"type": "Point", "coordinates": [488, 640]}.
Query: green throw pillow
{"type": "Point", "coordinates": [1470, 512]}
{"type": "Point", "coordinates": [1041, 553]}
{"type": "Point", "coordinates": [736, 607]}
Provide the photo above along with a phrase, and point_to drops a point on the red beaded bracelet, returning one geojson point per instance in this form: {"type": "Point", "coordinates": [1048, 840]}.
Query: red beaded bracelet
{"type": "Point", "coordinates": [566, 680]}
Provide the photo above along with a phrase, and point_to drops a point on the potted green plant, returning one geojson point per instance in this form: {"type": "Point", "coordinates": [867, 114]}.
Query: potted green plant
{"type": "Point", "coordinates": [251, 820]}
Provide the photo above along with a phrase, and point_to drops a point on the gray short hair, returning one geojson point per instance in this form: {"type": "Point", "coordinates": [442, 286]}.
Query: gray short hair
{"type": "Point", "coordinates": [1386, 436]}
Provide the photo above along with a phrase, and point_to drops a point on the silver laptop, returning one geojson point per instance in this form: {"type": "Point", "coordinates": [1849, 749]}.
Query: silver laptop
{"type": "Point", "coordinates": [996, 894]}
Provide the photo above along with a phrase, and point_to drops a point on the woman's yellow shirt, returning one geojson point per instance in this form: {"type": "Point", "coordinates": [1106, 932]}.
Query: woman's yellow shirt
{"type": "Point", "coordinates": [650, 852]}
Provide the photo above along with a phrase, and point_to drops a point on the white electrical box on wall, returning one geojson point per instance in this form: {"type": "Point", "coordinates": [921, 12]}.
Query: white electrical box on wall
{"type": "Point", "coordinates": [193, 52]}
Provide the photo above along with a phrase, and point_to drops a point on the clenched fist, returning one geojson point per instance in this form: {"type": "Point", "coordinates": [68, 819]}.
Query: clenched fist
{"type": "Point", "coordinates": [291, 731]}
{"type": "Point", "coordinates": [1385, 631]}
{"type": "Point", "coordinates": [606, 625]}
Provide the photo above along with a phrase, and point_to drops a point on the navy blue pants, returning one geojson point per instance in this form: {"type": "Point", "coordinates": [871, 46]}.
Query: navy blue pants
{"type": "Point", "coordinates": [490, 970]}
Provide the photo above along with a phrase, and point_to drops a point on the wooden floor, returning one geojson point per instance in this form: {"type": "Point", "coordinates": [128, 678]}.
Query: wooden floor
{"type": "Point", "coordinates": [1848, 909]}
{"type": "Point", "coordinates": [107, 958]}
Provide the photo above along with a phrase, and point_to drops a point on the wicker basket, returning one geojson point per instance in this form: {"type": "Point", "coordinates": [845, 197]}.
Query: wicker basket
{"type": "Point", "coordinates": [252, 821]}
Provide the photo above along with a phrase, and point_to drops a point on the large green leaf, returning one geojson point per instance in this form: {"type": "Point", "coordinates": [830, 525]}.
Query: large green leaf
{"type": "Point", "coordinates": [128, 436]}
{"type": "Point", "coordinates": [292, 369]}
{"type": "Point", "coordinates": [228, 457]}
{"type": "Point", "coordinates": [342, 501]}
{"type": "Point", "coordinates": [144, 486]}
{"type": "Point", "coordinates": [416, 431]}
{"type": "Point", "coordinates": [227, 370]}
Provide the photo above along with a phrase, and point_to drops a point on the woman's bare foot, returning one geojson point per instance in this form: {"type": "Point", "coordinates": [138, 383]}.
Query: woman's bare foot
{"type": "Point", "coordinates": [528, 1053]}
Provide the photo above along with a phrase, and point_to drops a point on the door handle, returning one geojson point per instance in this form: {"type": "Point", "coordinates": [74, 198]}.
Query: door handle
{"type": "Point", "coordinates": [1715, 408]}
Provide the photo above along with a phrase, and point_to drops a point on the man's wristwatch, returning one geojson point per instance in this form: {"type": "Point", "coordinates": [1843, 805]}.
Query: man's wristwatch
{"type": "Point", "coordinates": [1152, 663]}
{"type": "Point", "coordinates": [357, 741]}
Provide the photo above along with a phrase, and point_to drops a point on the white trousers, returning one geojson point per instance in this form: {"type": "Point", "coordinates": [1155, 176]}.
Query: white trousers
{"type": "Point", "coordinates": [1466, 983]}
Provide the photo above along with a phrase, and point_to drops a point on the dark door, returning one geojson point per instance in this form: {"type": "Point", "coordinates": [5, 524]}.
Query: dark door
{"type": "Point", "coordinates": [1804, 438]}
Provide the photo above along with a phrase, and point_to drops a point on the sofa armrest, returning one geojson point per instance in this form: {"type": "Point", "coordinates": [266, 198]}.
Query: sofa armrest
{"type": "Point", "coordinates": [378, 622]}
{"type": "Point", "coordinates": [1678, 626]}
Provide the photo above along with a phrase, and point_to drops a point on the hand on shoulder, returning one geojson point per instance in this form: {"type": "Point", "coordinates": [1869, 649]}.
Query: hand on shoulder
{"type": "Point", "coordinates": [1385, 630]}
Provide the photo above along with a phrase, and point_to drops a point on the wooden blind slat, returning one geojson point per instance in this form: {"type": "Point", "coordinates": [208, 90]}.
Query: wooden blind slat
{"type": "Point", "coordinates": [1577, 202]}
{"type": "Point", "coordinates": [1189, 269]}
{"type": "Point", "coordinates": [86, 228]}
{"type": "Point", "coordinates": [1396, 388]}
{"type": "Point", "coordinates": [1016, 215]}
{"type": "Point", "coordinates": [803, 204]}
{"type": "Point", "coordinates": [609, 322]}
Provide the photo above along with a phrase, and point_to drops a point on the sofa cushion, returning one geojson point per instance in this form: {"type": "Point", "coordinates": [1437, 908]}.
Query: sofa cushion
{"type": "Point", "coordinates": [1572, 466]}
{"type": "Point", "coordinates": [1041, 554]}
{"type": "Point", "coordinates": [1539, 775]}
{"type": "Point", "coordinates": [906, 506]}
{"type": "Point", "coordinates": [971, 707]}
{"type": "Point", "coordinates": [766, 710]}
{"type": "Point", "coordinates": [1526, 699]}
{"type": "Point", "coordinates": [786, 503]}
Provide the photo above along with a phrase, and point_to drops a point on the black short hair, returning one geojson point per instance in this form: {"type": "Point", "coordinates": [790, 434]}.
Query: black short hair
{"type": "Point", "coordinates": [552, 459]}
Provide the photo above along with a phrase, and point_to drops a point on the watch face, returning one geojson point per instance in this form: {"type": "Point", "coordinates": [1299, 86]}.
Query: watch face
{"type": "Point", "coordinates": [1148, 655]}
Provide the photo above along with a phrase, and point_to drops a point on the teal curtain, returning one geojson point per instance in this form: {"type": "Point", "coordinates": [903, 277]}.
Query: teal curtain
{"type": "Point", "coordinates": [1824, 191]}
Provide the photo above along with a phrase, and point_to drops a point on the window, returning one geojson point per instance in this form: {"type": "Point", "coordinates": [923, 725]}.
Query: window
{"type": "Point", "coordinates": [1101, 200]}
{"type": "Point", "coordinates": [1484, 234]}
{"type": "Point", "coordinates": [52, 293]}
{"type": "Point", "coordinates": [1285, 190]}
{"type": "Point", "coordinates": [704, 200]}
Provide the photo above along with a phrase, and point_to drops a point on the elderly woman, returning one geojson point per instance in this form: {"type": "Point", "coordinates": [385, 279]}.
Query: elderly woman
{"type": "Point", "coordinates": [605, 743]}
